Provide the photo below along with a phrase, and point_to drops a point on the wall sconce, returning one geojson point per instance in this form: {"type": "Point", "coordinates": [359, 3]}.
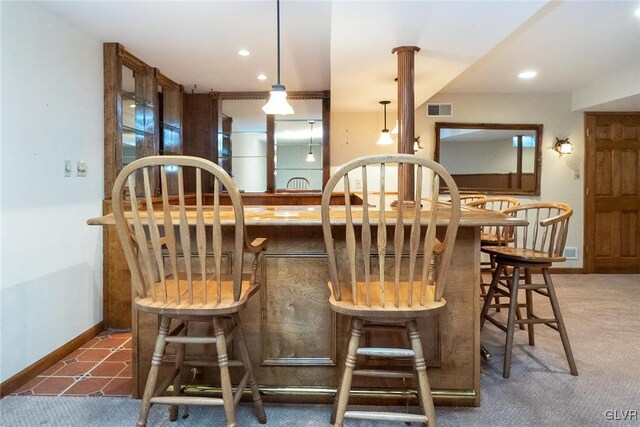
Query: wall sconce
{"type": "Point", "coordinates": [416, 145]}
{"type": "Point", "coordinates": [562, 146]}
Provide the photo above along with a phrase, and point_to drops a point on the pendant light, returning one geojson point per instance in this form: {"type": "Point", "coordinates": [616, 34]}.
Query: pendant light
{"type": "Point", "coordinates": [385, 138]}
{"type": "Point", "coordinates": [277, 103]}
{"type": "Point", "coordinates": [310, 156]}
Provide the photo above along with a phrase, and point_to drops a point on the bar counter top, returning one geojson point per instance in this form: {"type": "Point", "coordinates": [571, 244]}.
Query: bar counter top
{"type": "Point", "coordinates": [310, 215]}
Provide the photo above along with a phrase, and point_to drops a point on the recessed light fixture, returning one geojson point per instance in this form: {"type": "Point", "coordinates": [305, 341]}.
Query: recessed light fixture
{"type": "Point", "coordinates": [244, 52]}
{"type": "Point", "coordinates": [527, 74]}
{"type": "Point", "coordinates": [262, 77]}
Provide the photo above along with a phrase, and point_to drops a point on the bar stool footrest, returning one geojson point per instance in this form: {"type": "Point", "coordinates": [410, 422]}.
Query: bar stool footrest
{"type": "Point", "coordinates": [386, 416]}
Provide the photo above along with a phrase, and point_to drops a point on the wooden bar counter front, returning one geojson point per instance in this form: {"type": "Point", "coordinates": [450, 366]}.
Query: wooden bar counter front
{"type": "Point", "coordinates": [295, 340]}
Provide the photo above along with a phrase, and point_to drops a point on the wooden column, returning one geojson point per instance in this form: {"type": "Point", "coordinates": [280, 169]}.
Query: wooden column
{"type": "Point", "coordinates": [406, 112]}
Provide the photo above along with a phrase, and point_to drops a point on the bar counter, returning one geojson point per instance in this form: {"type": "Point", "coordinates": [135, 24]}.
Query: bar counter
{"type": "Point", "coordinates": [297, 343]}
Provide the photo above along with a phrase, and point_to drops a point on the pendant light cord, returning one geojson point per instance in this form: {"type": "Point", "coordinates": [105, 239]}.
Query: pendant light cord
{"type": "Point", "coordinates": [278, 32]}
{"type": "Point", "coordinates": [385, 116]}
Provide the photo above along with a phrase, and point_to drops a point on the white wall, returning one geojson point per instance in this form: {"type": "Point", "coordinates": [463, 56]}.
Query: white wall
{"type": "Point", "coordinates": [553, 111]}
{"type": "Point", "coordinates": [51, 272]}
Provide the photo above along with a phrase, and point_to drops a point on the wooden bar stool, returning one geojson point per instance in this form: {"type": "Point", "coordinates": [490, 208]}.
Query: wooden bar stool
{"type": "Point", "coordinates": [396, 297]}
{"type": "Point", "coordinates": [536, 246]}
{"type": "Point", "coordinates": [183, 289]}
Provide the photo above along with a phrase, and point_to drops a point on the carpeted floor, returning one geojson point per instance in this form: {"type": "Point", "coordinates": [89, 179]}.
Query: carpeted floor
{"type": "Point", "coordinates": [602, 314]}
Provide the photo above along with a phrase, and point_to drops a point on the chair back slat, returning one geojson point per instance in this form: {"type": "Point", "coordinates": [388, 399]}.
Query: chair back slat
{"type": "Point", "coordinates": [201, 237]}
{"type": "Point", "coordinates": [414, 236]}
{"type": "Point", "coordinates": [216, 239]}
{"type": "Point", "coordinates": [154, 233]}
{"type": "Point", "coordinates": [382, 231]}
{"type": "Point", "coordinates": [546, 230]}
{"type": "Point", "coordinates": [185, 234]}
{"type": "Point", "coordinates": [351, 239]}
{"type": "Point", "coordinates": [154, 251]}
{"type": "Point", "coordinates": [420, 244]}
{"type": "Point", "coordinates": [141, 240]}
{"type": "Point", "coordinates": [366, 236]}
{"type": "Point", "coordinates": [170, 238]}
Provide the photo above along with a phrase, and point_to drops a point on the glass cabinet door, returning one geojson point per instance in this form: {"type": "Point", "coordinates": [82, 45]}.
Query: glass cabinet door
{"type": "Point", "coordinates": [137, 117]}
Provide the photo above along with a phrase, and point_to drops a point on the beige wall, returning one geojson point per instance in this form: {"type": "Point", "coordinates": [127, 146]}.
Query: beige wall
{"type": "Point", "coordinates": [355, 134]}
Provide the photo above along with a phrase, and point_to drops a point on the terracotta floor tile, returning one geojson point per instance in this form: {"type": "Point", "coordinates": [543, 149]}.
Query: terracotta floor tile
{"type": "Point", "coordinates": [128, 345]}
{"type": "Point", "coordinates": [73, 356]}
{"type": "Point", "coordinates": [120, 356]}
{"type": "Point", "coordinates": [53, 385]}
{"type": "Point", "coordinates": [94, 355]}
{"type": "Point", "coordinates": [52, 369]}
{"type": "Point", "coordinates": [127, 372]}
{"type": "Point", "coordinates": [118, 387]}
{"type": "Point", "coordinates": [108, 369]}
{"type": "Point", "coordinates": [120, 334]}
{"type": "Point", "coordinates": [29, 385]}
{"type": "Point", "coordinates": [109, 343]}
{"type": "Point", "coordinates": [76, 368]}
{"type": "Point", "coordinates": [91, 342]}
{"type": "Point", "coordinates": [87, 386]}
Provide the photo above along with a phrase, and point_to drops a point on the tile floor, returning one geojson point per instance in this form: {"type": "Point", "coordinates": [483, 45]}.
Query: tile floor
{"type": "Point", "coordinates": [101, 367]}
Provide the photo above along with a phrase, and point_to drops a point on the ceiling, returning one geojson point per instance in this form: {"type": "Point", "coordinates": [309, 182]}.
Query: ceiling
{"type": "Point", "coordinates": [577, 47]}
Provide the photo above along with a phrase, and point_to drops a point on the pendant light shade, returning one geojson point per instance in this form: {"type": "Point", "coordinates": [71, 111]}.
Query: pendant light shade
{"type": "Point", "coordinates": [310, 156]}
{"type": "Point", "coordinates": [394, 131]}
{"type": "Point", "coordinates": [385, 138]}
{"type": "Point", "coordinates": [277, 103]}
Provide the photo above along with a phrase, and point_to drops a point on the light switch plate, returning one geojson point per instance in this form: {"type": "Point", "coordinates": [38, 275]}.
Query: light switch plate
{"type": "Point", "coordinates": [67, 168]}
{"type": "Point", "coordinates": [82, 168]}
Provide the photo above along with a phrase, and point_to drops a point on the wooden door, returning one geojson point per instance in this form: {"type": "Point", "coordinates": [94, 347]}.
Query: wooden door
{"type": "Point", "coordinates": [612, 193]}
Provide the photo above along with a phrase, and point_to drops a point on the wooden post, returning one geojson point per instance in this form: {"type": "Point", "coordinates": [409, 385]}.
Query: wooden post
{"type": "Point", "coordinates": [406, 113]}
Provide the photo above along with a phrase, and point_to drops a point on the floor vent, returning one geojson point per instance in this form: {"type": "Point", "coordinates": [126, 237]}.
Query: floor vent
{"type": "Point", "coordinates": [439, 110]}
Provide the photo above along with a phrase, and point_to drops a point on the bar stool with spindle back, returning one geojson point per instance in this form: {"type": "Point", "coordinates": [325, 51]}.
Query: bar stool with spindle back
{"type": "Point", "coordinates": [536, 246]}
{"type": "Point", "coordinates": [363, 289]}
{"type": "Point", "coordinates": [154, 241]}
{"type": "Point", "coordinates": [492, 235]}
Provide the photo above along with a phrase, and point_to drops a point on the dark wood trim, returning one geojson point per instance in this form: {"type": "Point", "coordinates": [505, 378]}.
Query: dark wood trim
{"type": "Point", "coordinates": [166, 82]}
{"type": "Point", "coordinates": [271, 154]}
{"type": "Point", "coordinates": [326, 140]}
{"type": "Point", "coordinates": [567, 270]}
{"type": "Point", "coordinates": [589, 199]}
{"type": "Point", "coordinates": [112, 64]}
{"type": "Point", "coordinates": [18, 380]}
{"type": "Point", "coordinates": [131, 61]}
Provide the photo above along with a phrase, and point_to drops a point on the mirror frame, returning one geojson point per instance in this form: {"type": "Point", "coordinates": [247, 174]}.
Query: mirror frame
{"type": "Point", "coordinates": [537, 128]}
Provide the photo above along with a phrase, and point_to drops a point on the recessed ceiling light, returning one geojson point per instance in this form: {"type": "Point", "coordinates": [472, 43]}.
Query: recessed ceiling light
{"type": "Point", "coordinates": [527, 74]}
{"type": "Point", "coordinates": [244, 52]}
{"type": "Point", "coordinates": [132, 105]}
{"type": "Point", "coordinates": [262, 77]}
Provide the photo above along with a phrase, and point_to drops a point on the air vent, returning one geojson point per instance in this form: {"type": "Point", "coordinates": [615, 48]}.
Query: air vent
{"type": "Point", "coordinates": [571, 252]}
{"type": "Point", "coordinates": [439, 110]}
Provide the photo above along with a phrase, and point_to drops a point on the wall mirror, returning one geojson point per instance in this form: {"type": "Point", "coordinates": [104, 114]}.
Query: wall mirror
{"type": "Point", "coordinates": [491, 158]}
{"type": "Point", "coordinates": [268, 154]}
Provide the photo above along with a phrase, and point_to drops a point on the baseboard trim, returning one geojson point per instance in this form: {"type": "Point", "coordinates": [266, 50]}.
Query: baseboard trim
{"type": "Point", "coordinates": [18, 380]}
{"type": "Point", "coordinates": [567, 270]}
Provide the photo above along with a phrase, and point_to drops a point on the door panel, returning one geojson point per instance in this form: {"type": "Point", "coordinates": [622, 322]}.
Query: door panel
{"type": "Point", "coordinates": [612, 202]}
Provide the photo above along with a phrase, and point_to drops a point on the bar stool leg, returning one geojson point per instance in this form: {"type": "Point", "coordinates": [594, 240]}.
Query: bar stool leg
{"type": "Point", "coordinates": [426, 399]}
{"type": "Point", "coordinates": [513, 305]}
{"type": "Point", "coordinates": [223, 363]}
{"type": "Point", "coordinates": [490, 293]}
{"type": "Point", "coordinates": [529, 300]}
{"type": "Point", "coordinates": [150, 387]}
{"type": "Point", "coordinates": [244, 354]}
{"type": "Point", "coordinates": [177, 382]}
{"type": "Point", "coordinates": [345, 386]}
{"type": "Point", "coordinates": [553, 298]}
